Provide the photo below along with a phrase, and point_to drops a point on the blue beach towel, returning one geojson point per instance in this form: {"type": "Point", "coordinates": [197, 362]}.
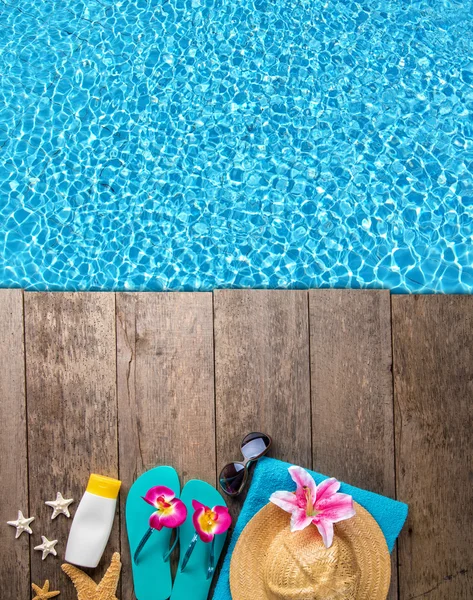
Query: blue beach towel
{"type": "Point", "coordinates": [272, 475]}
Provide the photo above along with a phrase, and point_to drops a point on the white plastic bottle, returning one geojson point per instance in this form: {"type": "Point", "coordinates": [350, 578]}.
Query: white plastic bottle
{"type": "Point", "coordinates": [93, 522]}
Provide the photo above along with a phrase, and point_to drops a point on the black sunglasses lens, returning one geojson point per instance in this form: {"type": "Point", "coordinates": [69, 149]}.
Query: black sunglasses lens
{"type": "Point", "coordinates": [255, 444]}
{"type": "Point", "coordinates": [231, 478]}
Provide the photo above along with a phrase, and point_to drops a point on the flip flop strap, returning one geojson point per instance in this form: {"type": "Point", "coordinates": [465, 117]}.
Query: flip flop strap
{"type": "Point", "coordinates": [189, 550]}
{"type": "Point", "coordinates": [169, 552]}
{"type": "Point", "coordinates": [211, 569]}
{"type": "Point", "coordinates": [145, 538]}
{"type": "Point", "coordinates": [141, 545]}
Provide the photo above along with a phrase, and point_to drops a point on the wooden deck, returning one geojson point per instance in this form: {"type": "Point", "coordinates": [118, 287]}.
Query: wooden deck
{"type": "Point", "coordinates": [376, 390]}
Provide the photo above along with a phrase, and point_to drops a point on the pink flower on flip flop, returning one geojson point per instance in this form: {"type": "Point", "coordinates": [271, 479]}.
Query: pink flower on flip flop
{"type": "Point", "coordinates": [209, 522]}
{"type": "Point", "coordinates": [320, 504]}
{"type": "Point", "coordinates": [170, 511]}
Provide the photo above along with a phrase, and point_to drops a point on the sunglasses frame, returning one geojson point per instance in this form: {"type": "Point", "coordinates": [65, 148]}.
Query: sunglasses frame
{"type": "Point", "coordinates": [245, 463]}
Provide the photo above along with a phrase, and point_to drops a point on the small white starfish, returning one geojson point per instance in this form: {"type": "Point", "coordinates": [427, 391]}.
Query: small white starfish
{"type": "Point", "coordinates": [60, 506]}
{"type": "Point", "coordinates": [21, 524]}
{"type": "Point", "coordinates": [47, 547]}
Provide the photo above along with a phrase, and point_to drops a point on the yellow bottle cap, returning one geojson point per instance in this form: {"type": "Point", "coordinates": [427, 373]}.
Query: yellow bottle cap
{"type": "Point", "coordinates": [100, 485]}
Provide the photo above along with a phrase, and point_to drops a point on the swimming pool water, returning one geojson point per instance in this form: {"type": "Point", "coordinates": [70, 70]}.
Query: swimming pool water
{"type": "Point", "coordinates": [193, 144]}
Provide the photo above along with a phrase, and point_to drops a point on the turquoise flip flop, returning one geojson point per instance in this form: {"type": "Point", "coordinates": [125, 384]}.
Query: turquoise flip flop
{"type": "Point", "coordinates": [150, 518]}
{"type": "Point", "coordinates": [207, 515]}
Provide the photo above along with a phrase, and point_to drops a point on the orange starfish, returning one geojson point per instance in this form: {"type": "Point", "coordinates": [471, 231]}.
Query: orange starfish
{"type": "Point", "coordinates": [43, 593]}
{"type": "Point", "coordinates": [86, 587]}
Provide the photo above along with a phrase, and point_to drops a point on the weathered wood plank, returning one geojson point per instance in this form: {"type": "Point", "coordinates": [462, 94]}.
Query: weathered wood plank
{"type": "Point", "coordinates": [262, 373]}
{"type": "Point", "coordinates": [352, 393]}
{"type": "Point", "coordinates": [165, 390]}
{"type": "Point", "coordinates": [433, 376]}
{"type": "Point", "coordinates": [72, 412]}
{"type": "Point", "coordinates": [15, 562]}
{"type": "Point", "coordinates": [352, 396]}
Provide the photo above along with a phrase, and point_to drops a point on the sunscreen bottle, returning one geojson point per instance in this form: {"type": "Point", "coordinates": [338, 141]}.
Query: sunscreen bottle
{"type": "Point", "coordinates": [93, 522]}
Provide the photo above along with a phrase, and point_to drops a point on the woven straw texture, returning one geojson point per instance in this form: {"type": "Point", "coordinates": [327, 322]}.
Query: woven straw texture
{"type": "Point", "coordinates": [271, 563]}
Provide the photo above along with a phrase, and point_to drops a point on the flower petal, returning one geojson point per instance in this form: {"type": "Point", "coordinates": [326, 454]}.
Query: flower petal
{"type": "Point", "coordinates": [200, 519]}
{"type": "Point", "coordinates": [327, 488]}
{"type": "Point", "coordinates": [178, 514]}
{"type": "Point", "coordinates": [159, 491]}
{"type": "Point", "coordinates": [337, 507]}
{"type": "Point", "coordinates": [171, 517]}
{"type": "Point", "coordinates": [223, 521]}
{"type": "Point", "coordinates": [210, 521]}
{"type": "Point", "coordinates": [300, 520]}
{"type": "Point", "coordinates": [325, 528]}
{"type": "Point", "coordinates": [198, 505]}
{"type": "Point", "coordinates": [155, 521]}
{"type": "Point", "coordinates": [198, 512]}
{"type": "Point", "coordinates": [302, 479]}
{"type": "Point", "coordinates": [205, 537]}
{"type": "Point", "coordinates": [285, 500]}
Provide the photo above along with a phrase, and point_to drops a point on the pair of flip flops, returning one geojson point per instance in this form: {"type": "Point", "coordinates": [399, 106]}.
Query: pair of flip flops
{"type": "Point", "coordinates": [155, 506]}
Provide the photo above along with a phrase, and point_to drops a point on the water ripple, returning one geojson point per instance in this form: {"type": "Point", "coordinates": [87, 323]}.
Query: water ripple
{"type": "Point", "coordinates": [219, 143]}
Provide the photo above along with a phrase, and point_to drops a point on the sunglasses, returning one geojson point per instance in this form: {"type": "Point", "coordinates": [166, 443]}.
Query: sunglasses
{"type": "Point", "coordinates": [234, 476]}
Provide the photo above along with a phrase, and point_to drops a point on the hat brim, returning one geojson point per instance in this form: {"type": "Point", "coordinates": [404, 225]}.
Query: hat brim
{"type": "Point", "coordinates": [362, 531]}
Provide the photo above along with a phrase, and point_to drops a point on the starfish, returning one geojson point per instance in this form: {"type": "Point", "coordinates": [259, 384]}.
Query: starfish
{"type": "Point", "coordinates": [47, 547]}
{"type": "Point", "coordinates": [60, 506]}
{"type": "Point", "coordinates": [21, 524]}
{"type": "Point", "coordinates": [43, 593]}
{"type": "Point", "coordinates": [86, 587]}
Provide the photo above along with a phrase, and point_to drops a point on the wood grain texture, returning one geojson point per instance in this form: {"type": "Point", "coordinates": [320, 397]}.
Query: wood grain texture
{"type": "Point", "coordinates": [262, 373]}
{"type": "Point", "coordinates": [352, 391]}
{"type": "Point", "coordinates": [15, 561]}
{"type": "Point", "coordinates": [352, 395]}
{"type": "Point", "coordinates": [72, 412]}
{"type": "Point", "coordinates": [433, 376]}
{"type": "Point", "coordinates": [165, 390]}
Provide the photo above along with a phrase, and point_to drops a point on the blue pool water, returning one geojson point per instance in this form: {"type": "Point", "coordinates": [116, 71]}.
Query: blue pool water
{"type": "Point", "coordinates": [193, 144]}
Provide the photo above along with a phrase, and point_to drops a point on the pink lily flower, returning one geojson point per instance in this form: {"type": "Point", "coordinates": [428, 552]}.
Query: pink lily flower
{"type": "Point", "coordinates": [320, 504]}
{"type": "Point", "coordinates": [209, 522]}
{"type": "Point", "coordinates": [170, 511]}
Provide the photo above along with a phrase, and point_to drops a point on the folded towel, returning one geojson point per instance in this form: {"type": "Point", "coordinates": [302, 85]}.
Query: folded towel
{"type": "Point", "coordinates": [272, 475]}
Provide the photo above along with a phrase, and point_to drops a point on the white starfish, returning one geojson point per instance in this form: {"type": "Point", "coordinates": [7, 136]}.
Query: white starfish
{"type": "Point", "coordinates": [21, 524]}
{"type": "Point", "coordinates": [60, 506]}
{"type": "Point", "coordinates": [47, 547]}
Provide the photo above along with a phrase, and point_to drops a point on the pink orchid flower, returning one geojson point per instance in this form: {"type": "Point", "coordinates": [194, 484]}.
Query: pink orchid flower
{"type": "Point", "coordinates": [209, 522]}
{"type": "Point", "coordinates": [320, 504]}
{"type": "Point", "coordinates": [170, 511]}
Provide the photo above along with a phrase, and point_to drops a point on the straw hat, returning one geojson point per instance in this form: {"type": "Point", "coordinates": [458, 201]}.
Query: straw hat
{"type": "Point", "coordinates": [271, 563]}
